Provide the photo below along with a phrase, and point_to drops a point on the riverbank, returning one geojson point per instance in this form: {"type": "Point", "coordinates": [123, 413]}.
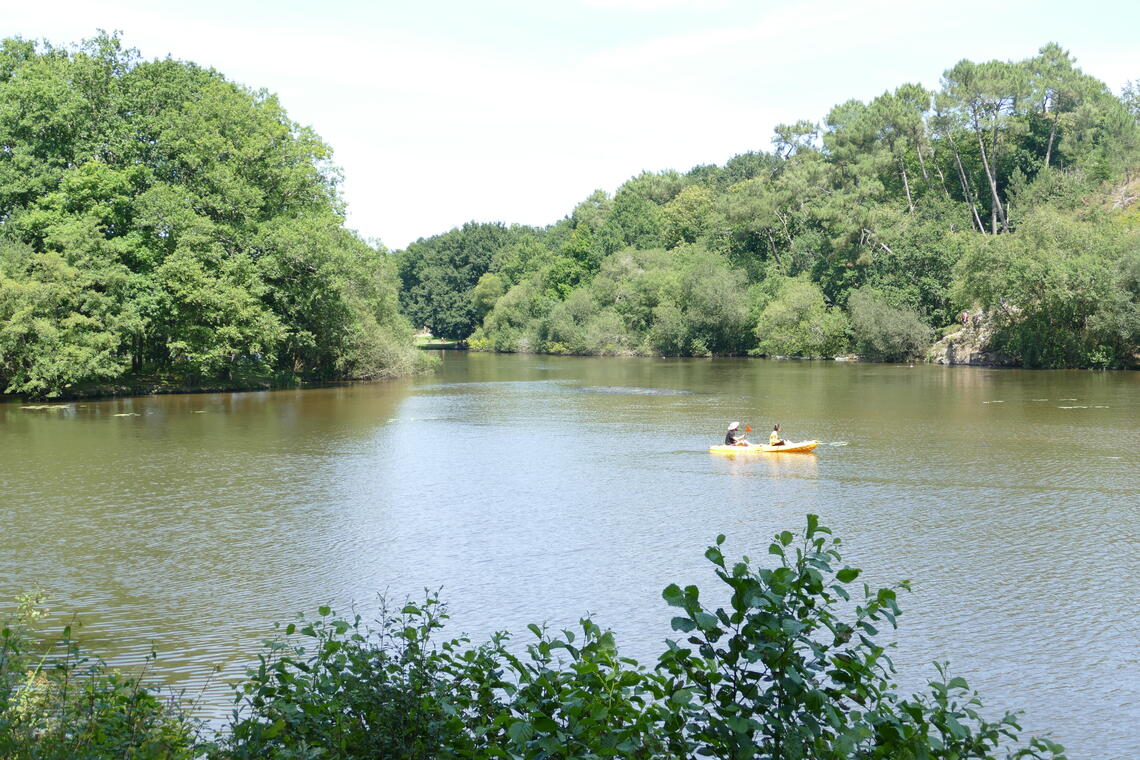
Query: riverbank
{"type": "Point", "coordinates": [154, 386]}
{"type": "Point", "coordinates": [440, 344]}
{"type": "Point", "coordinates": [968, 345]}
{"type": "Point", "coordinates": [963, 347]}
{"type": "Point", "coordinates": [159, 386]}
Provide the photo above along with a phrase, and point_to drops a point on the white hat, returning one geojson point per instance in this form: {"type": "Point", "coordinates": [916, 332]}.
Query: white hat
{"type": "Point", "coordinates": [734, 426]}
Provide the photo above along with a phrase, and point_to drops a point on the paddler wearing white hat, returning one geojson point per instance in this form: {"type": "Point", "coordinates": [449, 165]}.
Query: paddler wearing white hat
{"type": "Point", "coordinates": [731, 438]}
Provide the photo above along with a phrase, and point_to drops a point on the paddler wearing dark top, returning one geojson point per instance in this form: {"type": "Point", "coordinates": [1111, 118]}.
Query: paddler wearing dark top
{"type": "Point", "coordinates": [731, 438]}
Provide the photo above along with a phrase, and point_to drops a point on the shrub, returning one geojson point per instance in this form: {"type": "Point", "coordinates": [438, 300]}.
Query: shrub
{"type": "Point", "coordinates": [1062, 291]}
{"type": "Point", "coordinates": [797, 322]}
{"type": "Point", "coordinates": [789, 668]}
{"type": "Point", "coordinates": [606, 335]}
{"type": "Point", "coordinates": [884, 332]}
{"type": "Point", "coordinates": [55, 702]}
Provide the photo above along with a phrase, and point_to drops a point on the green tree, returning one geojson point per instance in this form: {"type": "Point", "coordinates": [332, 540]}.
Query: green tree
{"type": "Point", "coordinates": [883, 331]}
{"type": "Point", "coordinates": [201, 228]}
{"type": "Point", "coordinates": [1062, 291]}
{"type": "Point", "coordinates": [439, 275]}
{"type": "Point", "coordinates": [689, 216]}
{"type": "Point", "coordinates": [488, 290]}
{"type": "Point", "coordinates": [56, 326]}
{"type": "Point", "coordinates": [798, 322]}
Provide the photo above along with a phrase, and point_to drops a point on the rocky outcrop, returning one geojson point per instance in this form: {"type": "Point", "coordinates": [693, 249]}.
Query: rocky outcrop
{"type": "Point", "coordinates": [970, 345]}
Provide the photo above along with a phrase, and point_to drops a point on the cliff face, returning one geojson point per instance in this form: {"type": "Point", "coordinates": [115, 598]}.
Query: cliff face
{"type": "Point", "coordinates": [970, 345]}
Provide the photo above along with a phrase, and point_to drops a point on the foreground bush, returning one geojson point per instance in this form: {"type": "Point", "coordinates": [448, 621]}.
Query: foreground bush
{"type": "Point", "coordinates": [790, 668]}
{"type": "Point", "coordinates": [56, 703]}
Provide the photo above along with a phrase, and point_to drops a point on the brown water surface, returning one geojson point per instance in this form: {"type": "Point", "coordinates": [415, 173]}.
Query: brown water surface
{"type": "Point", "coordinates": [539, 488]}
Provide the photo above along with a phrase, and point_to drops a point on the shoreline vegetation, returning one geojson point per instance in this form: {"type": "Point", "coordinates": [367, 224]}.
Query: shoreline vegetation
{"type": "Point", "coordinates": [160, 221]}
{"type": "Point", "coordinates": [162, 226]}
{"type": "Point", "coordinates": [789, 668]}
{"type": "Point", "coordinates": [1005, 198]}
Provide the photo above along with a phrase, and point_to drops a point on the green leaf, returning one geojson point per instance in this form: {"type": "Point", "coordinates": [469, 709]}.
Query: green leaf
{"type": "Point", "coordinates": [545, 724]}
{"type": "Point", "coordinates": [848, 574]}
{"type": "Point", "coordinates": [520, 731]}
{"type": "Point", "coordinates": [683, 624]}
{"type": "Point", "coordinates": [681, 697]}
{"type": "Point", "coordinates": [786, 538]}
{"type": "Point", "coordinates": [705, 621]}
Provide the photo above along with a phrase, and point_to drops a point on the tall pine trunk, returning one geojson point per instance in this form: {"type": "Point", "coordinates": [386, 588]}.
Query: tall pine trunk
{"type": "Point", "coordinates": [966, 185]}
{"type": "Point", "coordinates": [997, 211]}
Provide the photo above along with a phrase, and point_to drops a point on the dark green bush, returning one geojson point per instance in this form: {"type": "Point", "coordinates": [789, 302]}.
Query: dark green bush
{"type": "Point", "coordinates": [790, 668]}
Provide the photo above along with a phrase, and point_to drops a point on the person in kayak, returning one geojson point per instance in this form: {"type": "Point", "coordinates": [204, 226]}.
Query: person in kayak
{"type": "Point", "coordinates": [731, 438]}
{"type": "Point", "coordinates": [774, 439]}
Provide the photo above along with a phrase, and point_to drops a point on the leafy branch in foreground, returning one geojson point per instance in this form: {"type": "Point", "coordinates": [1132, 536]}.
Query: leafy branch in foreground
{"type": "Point", "coordinates": [790, 668]}
{"type": "Point", "coordinates": [58, 703]}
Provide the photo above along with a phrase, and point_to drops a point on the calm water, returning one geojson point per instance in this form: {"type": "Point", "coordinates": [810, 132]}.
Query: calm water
{"type": "Point", "coordinates": [540, 488]}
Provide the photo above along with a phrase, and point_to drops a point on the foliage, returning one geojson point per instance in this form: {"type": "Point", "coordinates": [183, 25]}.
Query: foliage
{"type": "Point", "coordinates": [1064, 291]}
{"type": "Point", "coordinates": [160, 220]}
{"type": "Point", "coordinates": [790, 668]}
{"type": "Point", "coordinates": [56, 702]}
{"type": "Point", "coordinates": [798, 322]}
{"type": "Point", "coordinates": [884, 332]}
{"type": "Point", "coordinates": [689, 302]}
{"type": "Point", "coordinates": [889, 194]}
{"type": "Point", "coordinates": [56, 326]}
{"type": "Point", "coordinates": [346, 689]}
{"type": "Point", "coordinates": [439, 276]}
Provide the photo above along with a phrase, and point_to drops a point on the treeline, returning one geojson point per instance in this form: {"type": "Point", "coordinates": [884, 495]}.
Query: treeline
{"type": "Point", "coordinates": [159, 221]}
{"type": "Point", "coordinates": [789, 669]}
{"type": "Point", "coordinates": [1011, 190]}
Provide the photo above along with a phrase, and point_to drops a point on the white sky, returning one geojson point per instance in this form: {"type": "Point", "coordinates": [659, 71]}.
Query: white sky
{"type": "Point", "coordinates": [444, 111]}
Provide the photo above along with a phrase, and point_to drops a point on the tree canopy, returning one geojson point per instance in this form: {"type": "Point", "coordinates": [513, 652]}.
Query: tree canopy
{"type": "Point", "coordinates": [989, 193]}
{"type": "Point", "coordinates": [157, 219]}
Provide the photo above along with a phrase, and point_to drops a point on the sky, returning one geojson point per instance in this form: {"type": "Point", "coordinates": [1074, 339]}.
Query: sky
{"type": "Point", "coordinates": [441, 112]}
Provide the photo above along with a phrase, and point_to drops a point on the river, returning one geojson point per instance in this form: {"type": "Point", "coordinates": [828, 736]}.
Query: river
{"type": "Point", "coordinates": [536, 489]}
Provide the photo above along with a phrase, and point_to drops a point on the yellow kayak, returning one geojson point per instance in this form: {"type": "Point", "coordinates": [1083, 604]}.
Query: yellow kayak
{"type": "Point", "coordinates": [799, 447]}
